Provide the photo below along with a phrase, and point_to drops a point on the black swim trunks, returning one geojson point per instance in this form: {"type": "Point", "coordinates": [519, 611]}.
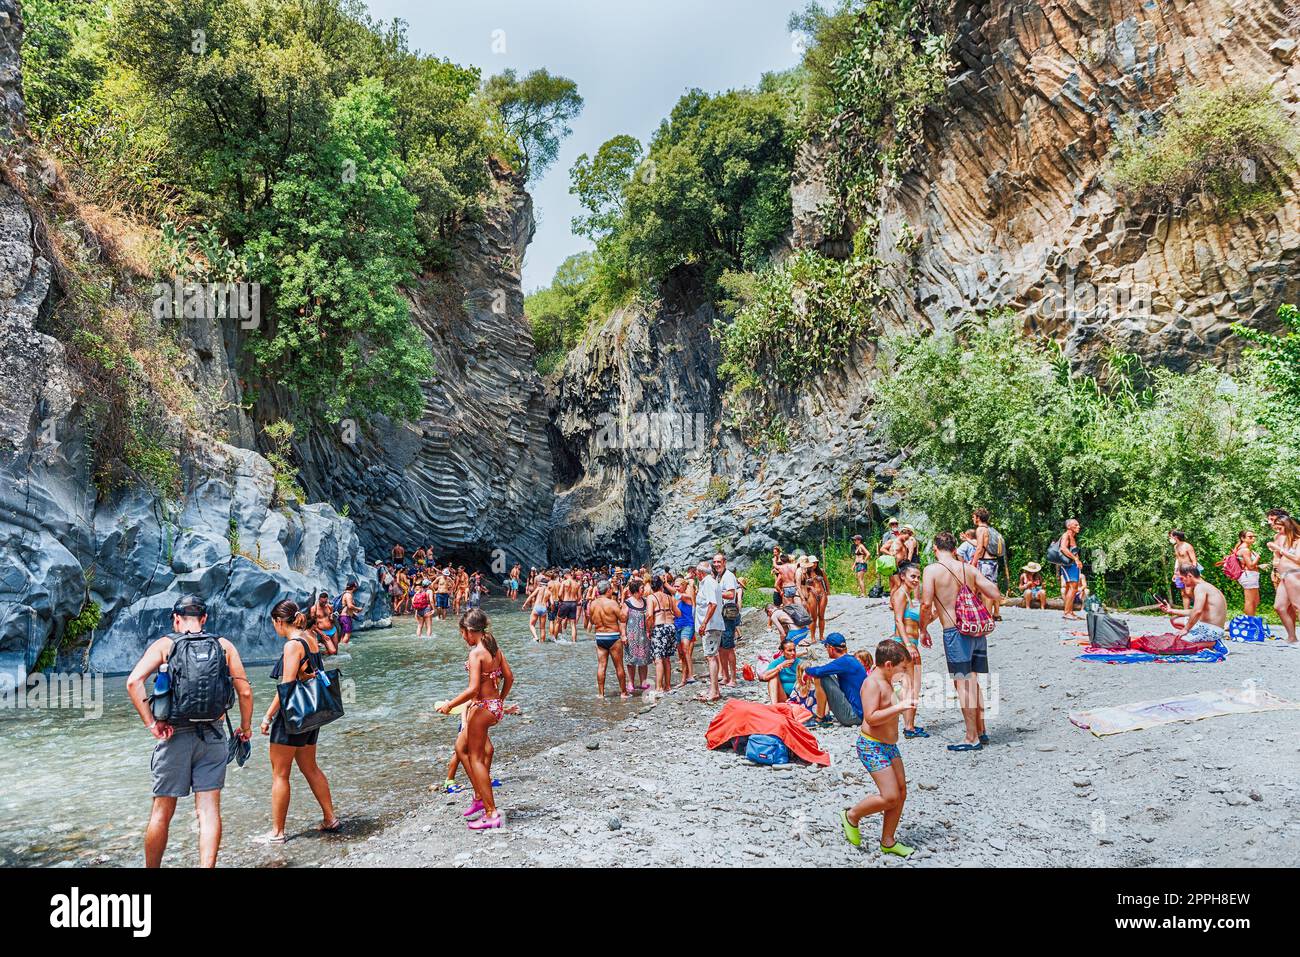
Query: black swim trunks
{"type": "Point", "coordinates": [567, 611]}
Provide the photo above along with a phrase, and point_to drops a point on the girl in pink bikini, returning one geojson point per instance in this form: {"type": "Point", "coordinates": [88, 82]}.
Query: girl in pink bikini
{"type": "Point", "coordinates": [488, 671]}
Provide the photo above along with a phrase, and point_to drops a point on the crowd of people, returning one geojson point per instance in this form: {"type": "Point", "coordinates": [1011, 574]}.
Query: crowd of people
{"type": "Point", "coordinates": [642, 617]}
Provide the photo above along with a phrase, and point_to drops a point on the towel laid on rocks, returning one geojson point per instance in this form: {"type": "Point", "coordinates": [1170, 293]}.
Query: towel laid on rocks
{"type": "Point", "coordinates": [739, 718]}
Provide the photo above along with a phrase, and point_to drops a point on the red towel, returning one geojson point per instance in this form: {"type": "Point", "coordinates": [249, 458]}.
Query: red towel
{"type": "Point", "coordinates": [749, 717]}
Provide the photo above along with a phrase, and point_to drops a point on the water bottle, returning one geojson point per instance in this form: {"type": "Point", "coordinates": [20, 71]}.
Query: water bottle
{"type": "Point", "coordinates": [162, 683]}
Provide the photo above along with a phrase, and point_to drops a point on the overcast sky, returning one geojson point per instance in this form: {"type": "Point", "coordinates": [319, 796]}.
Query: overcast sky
{"type": "Point", "coordinates": [631, 59]}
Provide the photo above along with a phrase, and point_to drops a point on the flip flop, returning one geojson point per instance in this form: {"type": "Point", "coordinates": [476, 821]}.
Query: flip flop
{"type": "Point", "coordinates": [706, 700]}
{"type": "Point", "coordinates": [851, 833]}
{"type": "Point", "coordinates": [965, 747]}
{"type": "Point", "coordinates": [496, 783]}
{"type": "Point", "coordinates": [333, 829]}
{"type": "Point", "coordinates": [453, 788]}
{"type": "Point", "coordinates": [917, 732]}
{"type": "Point", "coordinates": [899, 848]}
{"type": "Point", "coordinates": [984, 739]}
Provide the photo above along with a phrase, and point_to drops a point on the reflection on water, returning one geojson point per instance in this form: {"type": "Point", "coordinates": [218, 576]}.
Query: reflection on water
{"type": "Point", "coordinates": [76, 790]}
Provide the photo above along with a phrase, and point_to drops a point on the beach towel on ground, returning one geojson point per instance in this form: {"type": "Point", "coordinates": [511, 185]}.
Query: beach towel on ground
{"type": "Point", "coordinates": [739, 718]}
{"type": "Point", "coordinates": [1188, 707]}
{"type": "Point", "coordinates": [1218, 652]}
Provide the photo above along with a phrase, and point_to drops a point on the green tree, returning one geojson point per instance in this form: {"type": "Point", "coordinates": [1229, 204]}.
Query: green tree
{"type": "Point", "coordinates": [335, 244]}
{"type": "Point", "coordinates": [63, 55]}
{"type": "Point", "coordinates": [715, 187]}
{"type": "Point", "coordinates": [536, 110]}
{"type": "Point", "coordinates": [600, 183]}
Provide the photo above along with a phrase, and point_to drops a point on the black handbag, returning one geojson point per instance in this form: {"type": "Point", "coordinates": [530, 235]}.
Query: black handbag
{"type": "Point", "coordinates": [313, 702]}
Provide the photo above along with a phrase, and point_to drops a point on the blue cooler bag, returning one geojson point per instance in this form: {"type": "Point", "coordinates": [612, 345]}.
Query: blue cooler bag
{"type": "Point", "coordinates": [767, 749]}
{"type": "Point", "coordinates": [1249, 628]}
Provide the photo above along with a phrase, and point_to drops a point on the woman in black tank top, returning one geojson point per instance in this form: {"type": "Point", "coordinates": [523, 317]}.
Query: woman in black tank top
{"type": "Point", "coordinates": [301, 656]}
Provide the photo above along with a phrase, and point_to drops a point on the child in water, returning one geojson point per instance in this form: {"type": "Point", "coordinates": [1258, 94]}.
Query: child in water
{"type": "Point", "coordinates": [878, 750]}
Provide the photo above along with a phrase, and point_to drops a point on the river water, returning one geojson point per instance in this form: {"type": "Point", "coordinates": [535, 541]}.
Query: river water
{"type": "Point", "coordinates": [74, 790]}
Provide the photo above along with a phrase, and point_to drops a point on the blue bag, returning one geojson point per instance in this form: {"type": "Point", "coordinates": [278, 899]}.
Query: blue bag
{"type": "Point", "coordinates": [1249, 628]}
{"type": "Point", "coordinates": [767, 749]}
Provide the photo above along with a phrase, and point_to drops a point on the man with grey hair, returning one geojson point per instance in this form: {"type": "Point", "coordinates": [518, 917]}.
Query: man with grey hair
{"type": "Point", "coordinates": [609, 622]}
{"type": "Point", "coordinates": [717, 586]}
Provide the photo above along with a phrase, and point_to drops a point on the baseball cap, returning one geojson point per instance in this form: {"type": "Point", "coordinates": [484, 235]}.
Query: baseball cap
{"type": "Point", "coordinates": [190, 606]}
{"type": "Point", "coordinates": [834, 638]}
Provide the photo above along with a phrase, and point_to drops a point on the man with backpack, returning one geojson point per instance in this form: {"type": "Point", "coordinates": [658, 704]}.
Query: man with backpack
{"type": "Point", "coordinates": [990, 550]}
{"type": "Point", "coordinates": [952, 586]}
{"type": "Point", "coordinates": [199, 676]}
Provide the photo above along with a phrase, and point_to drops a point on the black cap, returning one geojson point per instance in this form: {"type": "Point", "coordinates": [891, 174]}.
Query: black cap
{"type": "Point", "coordinates": [190, 606]}
{"type": "Point", "coordinates": [352, 584]}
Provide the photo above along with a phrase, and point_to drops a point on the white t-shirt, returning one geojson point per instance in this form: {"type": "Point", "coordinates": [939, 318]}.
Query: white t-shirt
{"type": "Point", "coordinates": [710, 592]}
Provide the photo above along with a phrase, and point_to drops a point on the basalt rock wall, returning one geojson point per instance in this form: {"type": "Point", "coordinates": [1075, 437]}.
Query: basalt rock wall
{"type": "Point", "coordinates": [471, 477]}
{"type": "Point", "coordinates": [1010, 209]}
{"type": "Point", "coordinates": [63, 545]}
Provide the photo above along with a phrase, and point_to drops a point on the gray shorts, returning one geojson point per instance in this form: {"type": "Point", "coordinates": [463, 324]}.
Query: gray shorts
{"type": "Point", "coordinates": [185, 762]}
{"type": "Point", "coordinates": [712, 642]}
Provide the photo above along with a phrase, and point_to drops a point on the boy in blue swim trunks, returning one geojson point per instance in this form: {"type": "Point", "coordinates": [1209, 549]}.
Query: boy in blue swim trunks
{"type": "Point", "coordinates": [878, 749]}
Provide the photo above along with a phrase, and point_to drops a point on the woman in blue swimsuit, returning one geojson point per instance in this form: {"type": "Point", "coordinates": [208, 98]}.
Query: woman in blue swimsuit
{"type": "Point", "coordinates": [905, 604]}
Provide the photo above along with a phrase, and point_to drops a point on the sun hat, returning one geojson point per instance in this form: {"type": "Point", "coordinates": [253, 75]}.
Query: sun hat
{"type": "Point", "coordinates": [1033, 567]}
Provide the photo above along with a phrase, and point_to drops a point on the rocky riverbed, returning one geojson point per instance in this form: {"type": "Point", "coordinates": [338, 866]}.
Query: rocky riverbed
{"type": "Point", "coordinates": [1223, 791]}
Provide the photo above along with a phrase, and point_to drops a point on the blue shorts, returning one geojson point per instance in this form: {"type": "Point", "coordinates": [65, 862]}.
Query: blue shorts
{"type": "Point", "coordinates": [965, 655]}
{"type": "Point", "coordinates": [796, 635]}
{"type": "Point", "coordinates": [444, 599]}
{"type": "Point", "coordinates": [1071, 572]}
{"type": "Point", "coordinates": [876, 755]}
{"type": "Point", "coordinates": [686, 634]}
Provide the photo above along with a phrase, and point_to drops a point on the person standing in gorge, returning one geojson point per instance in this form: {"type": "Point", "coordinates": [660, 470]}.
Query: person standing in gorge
{"type": "Point", "coordinates": [553, 586]}
{"type": "Point", "coordinates": [566, 614]}
{"type": "Point", "coordinates": [663, 634]}
{"type": "Point", "coordinates": [399, 555]}
{"type": "Point", "coordinates": [636, 634]}
{"type": "Point", "coordinates": [785, 573]}
{"type": "Point", "coordinates": [941, 584]}
{"type": "Point", "coordinates": [990, 550]}
{"type": "Point", "coordinates": [815, 590]}
{"type": "Point", "coordinates": [349, 611]}
{"type": "Point", "coordinates": [1249, 560]}
{"type": "Point", "coordinates": [423, 599]}
{"type": "Point", "coordinates": [490, 680]}
{"type": "Point", "coordinates": [1285, 547]}
{"type": "Point", "coordinates": [905, 603]}
{"type": "Point", "coordinates": [512, 583]}
{"type": "Point", "coordinates": [301, 656]}
{"type": "Point", "coordinates": [861, 562]}
{"type": "Point", "coordinates": [608, 618]}
{"type": "Point", "coordinates": [322, 622]}
{"type": "Point", "coordinates": [442, 593]}
{"type": "Point", "coordinates": [685, 625]}
{"type": "Point", "coordinates": [716, 586]}
{"type": "Point", "coordinates": [189, 755]}
{"type": "Point", "coordinates": [1071, 567]}
{"type": "Point", "coordinates": [1184, 554]}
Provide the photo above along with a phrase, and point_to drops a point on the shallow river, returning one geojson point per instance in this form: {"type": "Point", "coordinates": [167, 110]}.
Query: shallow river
{"type": "Point", "coordinates": [75, 790]}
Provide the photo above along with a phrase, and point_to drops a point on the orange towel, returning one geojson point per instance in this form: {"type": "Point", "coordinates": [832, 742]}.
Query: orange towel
{"type": "Point", "coordinates": [749, 717]}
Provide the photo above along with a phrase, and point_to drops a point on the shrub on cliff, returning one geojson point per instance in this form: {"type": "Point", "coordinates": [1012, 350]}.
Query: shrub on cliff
{"type": "Point", "coordinates": [1230, 142]}
{"type": "Point", "coordinates": [992, 418]}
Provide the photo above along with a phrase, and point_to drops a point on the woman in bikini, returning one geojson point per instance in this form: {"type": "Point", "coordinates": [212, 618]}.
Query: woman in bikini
{"type": "Point", "coordinates": [488, 671]}
{"type": "Point", "coordinates": [814, 588]}
{"type": "Point", "coordinates": [905, 602]}
{"type": "Point", "coordinates": [663, 635]}
{"type": "Point", "coordinates": [1285, 547]}
{"type": "Point", "coordinates": [322, 623]}
{"type": "Point", "coordinates": [300, 659]}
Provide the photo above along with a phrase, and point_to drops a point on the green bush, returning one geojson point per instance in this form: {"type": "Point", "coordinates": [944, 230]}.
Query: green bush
{"type": "Point", "coordinates": [795, 321]}
{"type": "Point", "coordinates": [1229, 141]}
{"type": "Point", "coordinates": [994, 419]}
{"type": "Point", "coordinates": [280, 435]}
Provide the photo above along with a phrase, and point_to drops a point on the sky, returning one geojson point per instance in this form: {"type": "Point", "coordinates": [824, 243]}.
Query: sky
{"type": "Point", "coordinates": [631, 59]}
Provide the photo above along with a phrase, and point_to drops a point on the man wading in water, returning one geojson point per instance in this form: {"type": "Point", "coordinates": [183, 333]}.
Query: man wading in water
{"type": "Point", "coordinates": [566, 614]}
{"type": "Point", "coordinates": [189, 755]}
{"type": "Point", "coordinates": [608, 618]}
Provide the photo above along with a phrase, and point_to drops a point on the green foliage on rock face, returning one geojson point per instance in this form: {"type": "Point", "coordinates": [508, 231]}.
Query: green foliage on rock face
{"type": "Point", "coordinates": [874, 69]}
{"type": "Point", "coordinates": [1230, 142]}
{"type": "Point", "coordinates": [1277, 359]}
{"type": "Point", "coordinates": [994, 419]}
{"type": "Point", "coordinates": [63, 58]}
{"type": "Point", "coordinates": [338, 240]}
{"type": "Point", "coordinates": [280, 434]}
{"type": "Point", "coordinates": [536, 110]}
{"type": "Point", "coordinates": [794, 321]}
{"type": "Point", "coordinates": [562, 312]}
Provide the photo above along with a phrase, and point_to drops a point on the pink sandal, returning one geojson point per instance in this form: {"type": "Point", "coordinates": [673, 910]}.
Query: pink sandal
{"type": "Point", "coordinates": [474, 809]}
{"type": "Point", "coordinates": [486, 823]}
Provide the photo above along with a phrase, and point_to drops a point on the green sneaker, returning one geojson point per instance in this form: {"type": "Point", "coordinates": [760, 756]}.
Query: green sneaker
{"type": "Point", "coordinates": [902, 850]}
{"type": "Point", "coordinates": [851, 833]}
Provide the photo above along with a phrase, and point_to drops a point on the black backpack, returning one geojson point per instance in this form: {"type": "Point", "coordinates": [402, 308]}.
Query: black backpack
{"type": "Point", "coordinates": [201, 688]}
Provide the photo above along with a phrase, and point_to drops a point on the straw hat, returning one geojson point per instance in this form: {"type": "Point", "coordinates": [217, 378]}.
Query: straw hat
{"type": "Point", "coordinates": [1033, 568]}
